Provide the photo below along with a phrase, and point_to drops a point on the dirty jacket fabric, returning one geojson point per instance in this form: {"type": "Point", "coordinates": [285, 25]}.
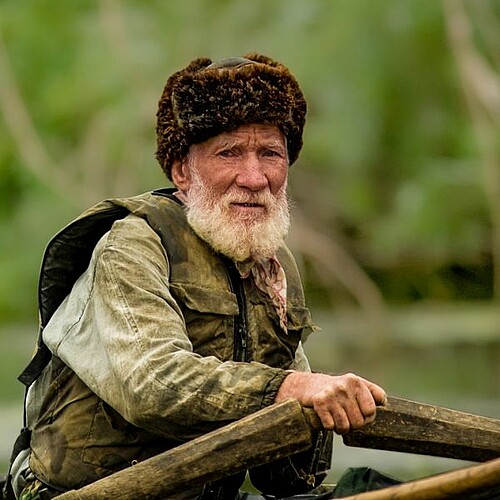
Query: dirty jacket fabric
{"type": "Point", "coordinates": [161, 341]}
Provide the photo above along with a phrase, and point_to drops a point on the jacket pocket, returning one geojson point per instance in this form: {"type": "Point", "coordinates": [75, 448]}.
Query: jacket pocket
{"type": "Point", "coordinates": [271, 344]}
{"type": "Point", "coordinates": [209, 315]}
{"type": "Point", "coordinates": [300, 321]}
{"type": "Point", "coordinates": [205, 300]}
{"type": "Point", "coordinates": [113, 443]}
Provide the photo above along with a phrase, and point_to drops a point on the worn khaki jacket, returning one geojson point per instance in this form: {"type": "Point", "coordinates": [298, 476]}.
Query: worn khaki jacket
{"type": "Point", "coordinates": [158, 342]}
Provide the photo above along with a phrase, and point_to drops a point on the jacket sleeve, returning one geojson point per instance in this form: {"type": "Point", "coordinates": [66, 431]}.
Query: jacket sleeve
{"type": "Point", "coordinates": [123, 334]}
{"type": "Point", "coordinates": [298, 473]}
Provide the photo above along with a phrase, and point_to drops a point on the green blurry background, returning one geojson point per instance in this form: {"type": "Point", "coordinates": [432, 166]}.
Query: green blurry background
{"type": "Point", "coordinates": [397, 215]}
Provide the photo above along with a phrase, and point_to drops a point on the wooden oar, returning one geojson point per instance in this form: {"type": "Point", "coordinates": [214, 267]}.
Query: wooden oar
{"type": "Point", "coordinates": [408, 426]}
{"type": "Point", "coordinates": [457, 484]}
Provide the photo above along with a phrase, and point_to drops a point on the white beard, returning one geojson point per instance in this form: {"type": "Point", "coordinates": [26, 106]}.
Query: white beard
{"type": "Point", "coordinates": [241, 238]}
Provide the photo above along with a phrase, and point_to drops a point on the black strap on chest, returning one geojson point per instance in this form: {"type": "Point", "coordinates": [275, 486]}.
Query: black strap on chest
{"type": "Point", "coordinates": [240, 350]}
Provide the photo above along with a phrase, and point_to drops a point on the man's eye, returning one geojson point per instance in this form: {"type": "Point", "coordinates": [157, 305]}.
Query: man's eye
{"type": "Point", "coordinates": [226, 153]}
{"type": "Point", "coordinates": [271, 153]}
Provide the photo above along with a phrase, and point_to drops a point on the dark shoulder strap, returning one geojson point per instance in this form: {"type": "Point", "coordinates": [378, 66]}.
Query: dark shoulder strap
{"type": "Point", "coordinates": [68, 255]}
{"type": "Point", "coordinates": [38, 362]}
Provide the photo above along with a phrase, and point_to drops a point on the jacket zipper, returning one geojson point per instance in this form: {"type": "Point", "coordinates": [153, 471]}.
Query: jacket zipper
{"type": "Point", "coordinates": [240, 352]}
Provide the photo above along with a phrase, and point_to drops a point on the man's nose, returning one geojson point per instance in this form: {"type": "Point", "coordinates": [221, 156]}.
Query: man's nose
{"type": "Point", "coordinates": [251, 174]}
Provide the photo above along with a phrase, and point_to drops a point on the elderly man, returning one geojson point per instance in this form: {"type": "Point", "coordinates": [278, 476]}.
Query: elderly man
{"type": "Point", "coordinates": [172, 313]}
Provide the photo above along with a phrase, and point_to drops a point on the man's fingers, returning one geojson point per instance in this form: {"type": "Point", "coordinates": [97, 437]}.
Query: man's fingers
{"type": "Point", "coordinates": [379, 395]}
{"type": "Point", "coordinates": [376, 392]}
{"type": "Point", "coordinates": [359, 407]}
{"type": "Point", "coordinates": [326, 418]}
{"type": "Point", "coordinates": [343, 415]}
{"type": "Point", "coordinates": [342, 421]}
{"type": "Point", "coordinates": [336, 418]}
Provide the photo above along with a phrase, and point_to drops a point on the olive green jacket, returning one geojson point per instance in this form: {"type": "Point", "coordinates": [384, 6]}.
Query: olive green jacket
{"type": "Point", "coordinates": [158, 342]}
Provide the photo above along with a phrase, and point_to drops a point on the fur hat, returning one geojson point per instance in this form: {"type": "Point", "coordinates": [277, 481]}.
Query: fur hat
{"type": "Point", "coordinates": [208, 98]}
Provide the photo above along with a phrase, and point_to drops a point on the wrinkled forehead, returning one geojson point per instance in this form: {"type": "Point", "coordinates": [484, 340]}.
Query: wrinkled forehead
{"type": "Point", "coordinates": [252, 135]}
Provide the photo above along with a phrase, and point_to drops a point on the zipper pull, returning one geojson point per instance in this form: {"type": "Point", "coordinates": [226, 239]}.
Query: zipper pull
{"type": "Point", "coordinates": [243, 339]}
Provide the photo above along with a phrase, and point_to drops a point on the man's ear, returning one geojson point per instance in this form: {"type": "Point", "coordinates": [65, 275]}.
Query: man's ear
{"type": "Point", "coordinates": [181, 174]}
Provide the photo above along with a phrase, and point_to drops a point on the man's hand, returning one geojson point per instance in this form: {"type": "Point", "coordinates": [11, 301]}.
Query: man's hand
{"type": "Point", "coordinates": [343, 402]}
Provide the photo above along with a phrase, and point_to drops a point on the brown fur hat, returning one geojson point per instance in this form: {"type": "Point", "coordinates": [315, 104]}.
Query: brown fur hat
{"type": "Point", "coordinates": [208, 98]}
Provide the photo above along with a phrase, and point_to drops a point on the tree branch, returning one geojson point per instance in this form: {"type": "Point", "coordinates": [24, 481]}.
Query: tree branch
{"type": "Point", "coordinates": [28, 141]}
{"type": "Point", "coordinates": [481, 87]}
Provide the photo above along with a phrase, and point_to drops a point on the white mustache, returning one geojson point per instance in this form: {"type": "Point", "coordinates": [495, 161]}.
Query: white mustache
{"type": "Point", "coordinates": [265, 198]}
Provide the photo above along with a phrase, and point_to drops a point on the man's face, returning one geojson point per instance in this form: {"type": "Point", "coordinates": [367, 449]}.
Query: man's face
{"type": "Point", "coordinates": [251, 159]}
{"type": "Point", "coordinates": [235, 187]}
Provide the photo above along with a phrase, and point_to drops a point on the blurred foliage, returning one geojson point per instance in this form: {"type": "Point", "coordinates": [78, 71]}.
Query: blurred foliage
{"type": "Point", "coordinates": [390, 168]}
